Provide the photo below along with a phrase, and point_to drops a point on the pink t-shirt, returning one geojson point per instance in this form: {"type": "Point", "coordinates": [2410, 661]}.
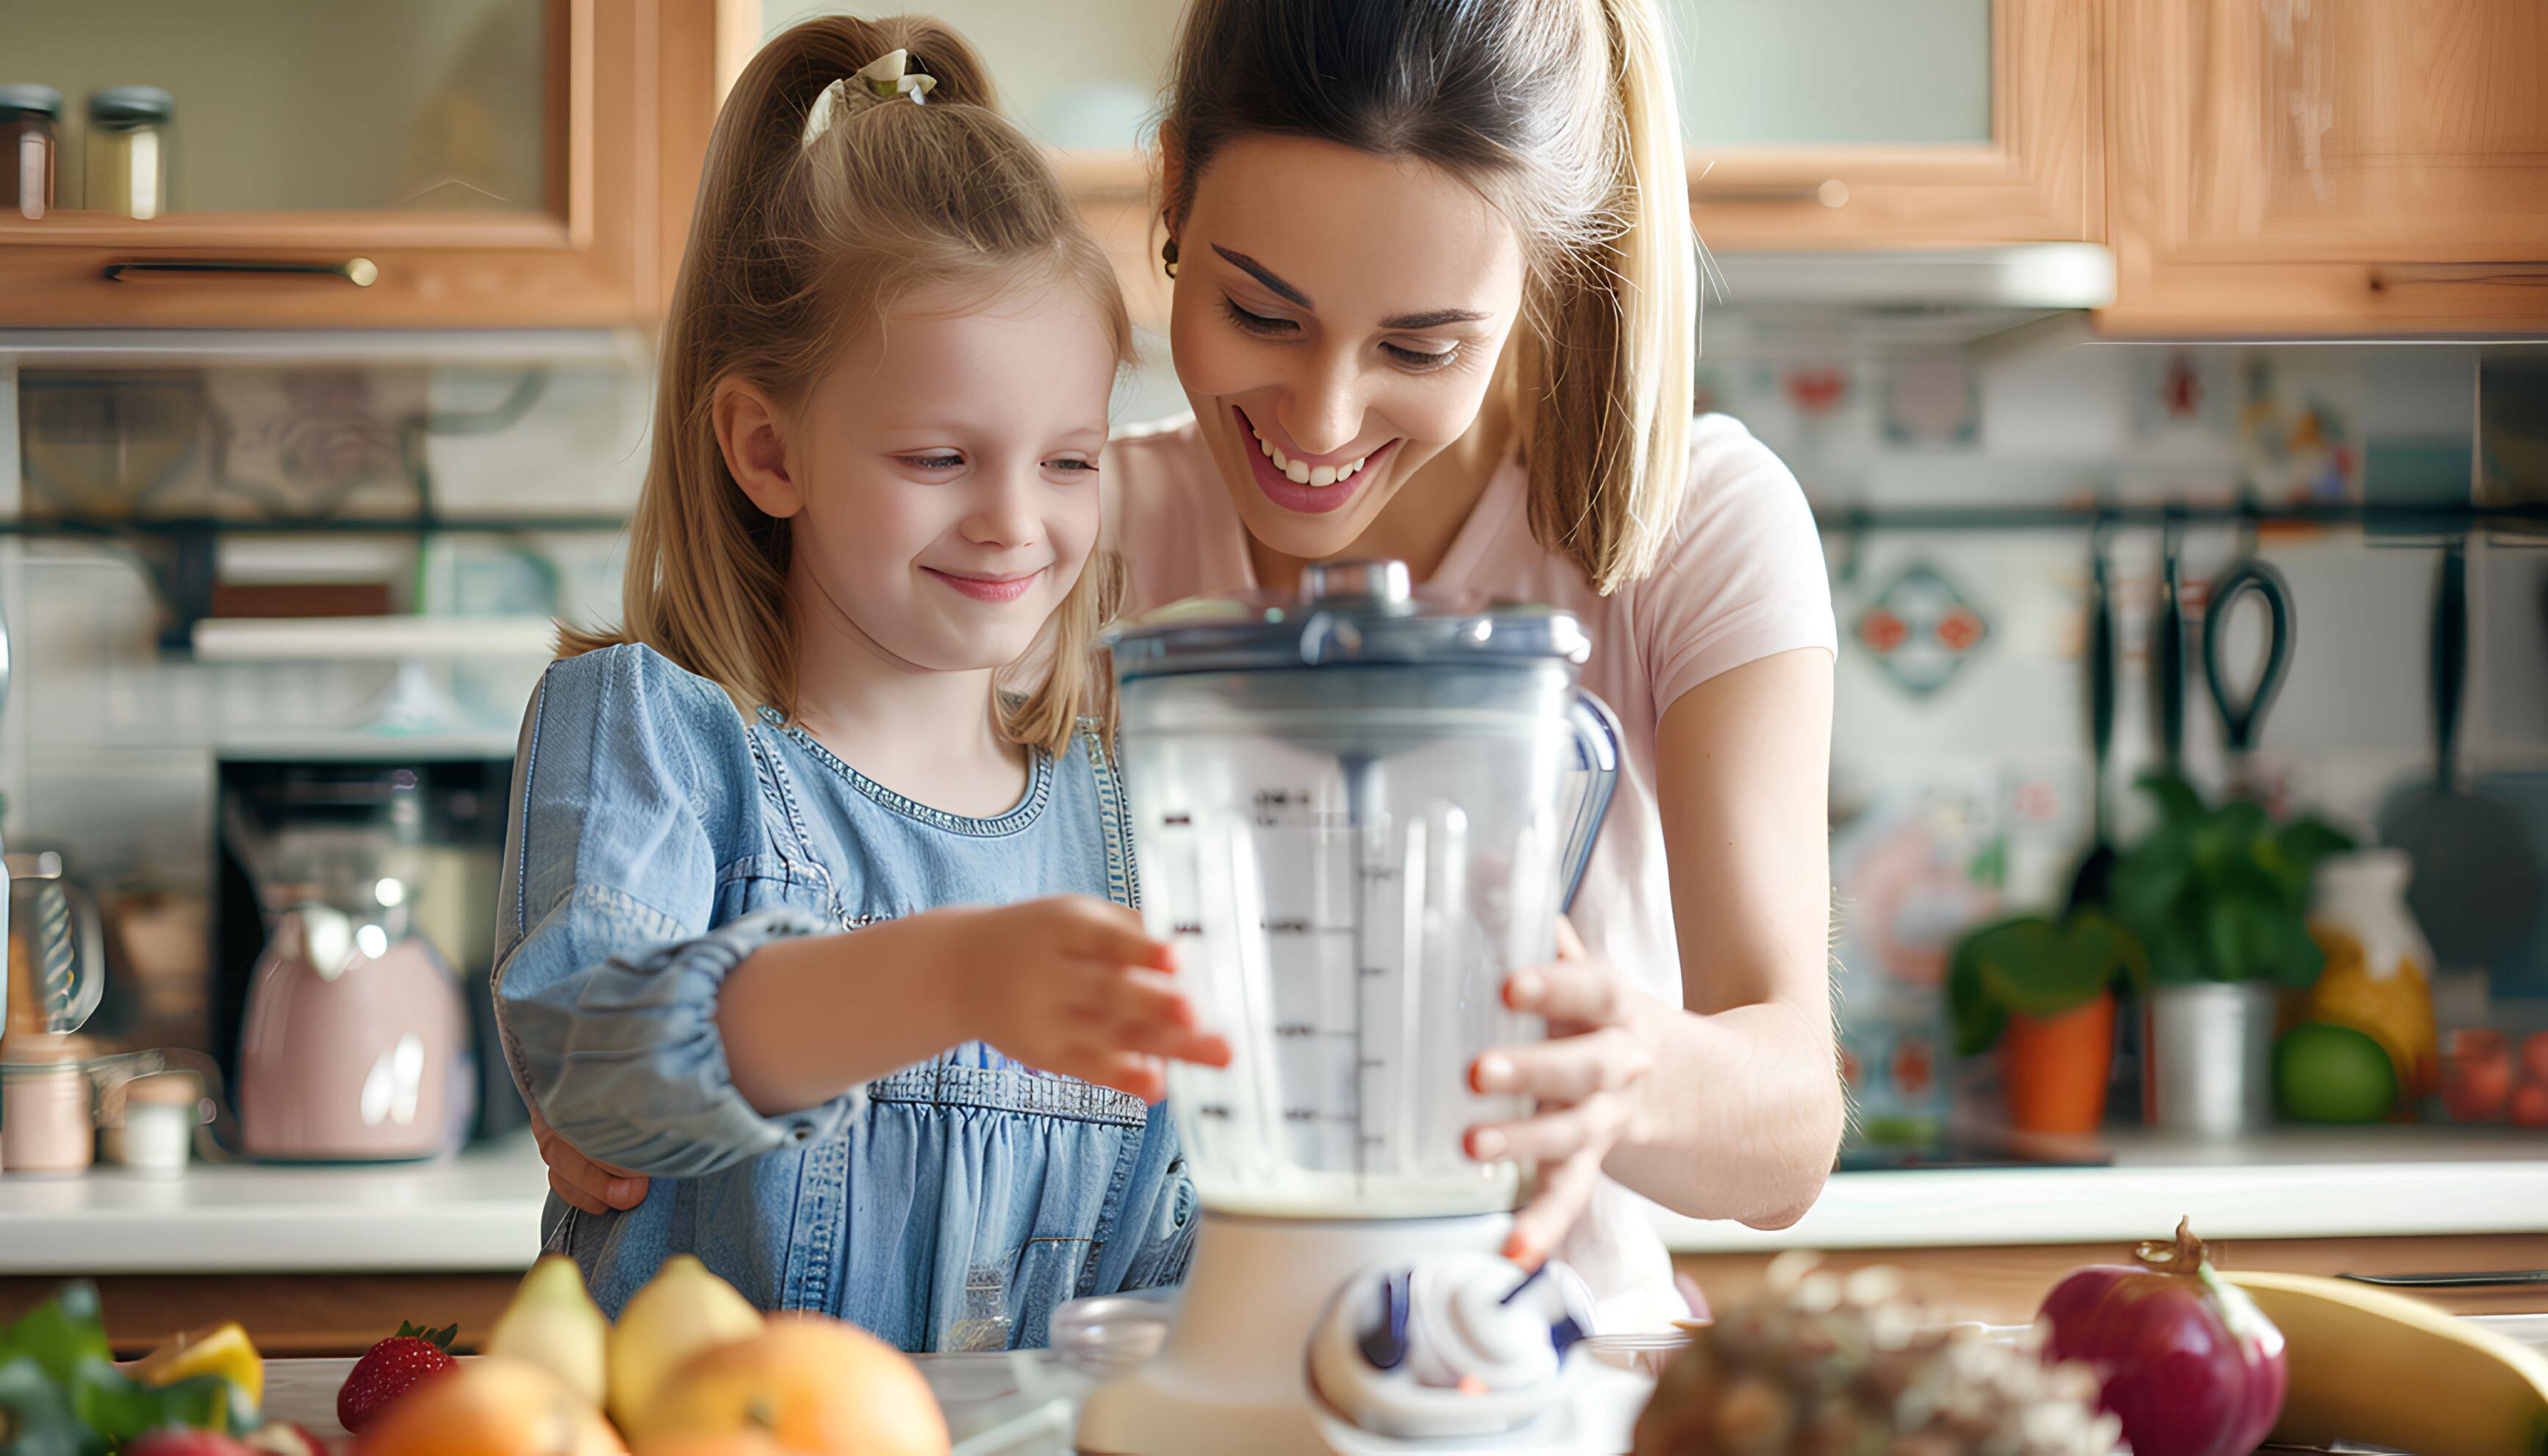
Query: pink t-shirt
{"type": "Point", "coordinates": [1743, 579]}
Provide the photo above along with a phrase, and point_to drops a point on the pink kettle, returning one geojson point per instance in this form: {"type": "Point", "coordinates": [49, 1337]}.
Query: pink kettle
{"type": "Point", "coordinates": [356, 1046]}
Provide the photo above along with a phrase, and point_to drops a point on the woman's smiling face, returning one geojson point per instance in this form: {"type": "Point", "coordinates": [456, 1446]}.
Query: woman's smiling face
{"type": "Point", "coordinates": [1336, 323]}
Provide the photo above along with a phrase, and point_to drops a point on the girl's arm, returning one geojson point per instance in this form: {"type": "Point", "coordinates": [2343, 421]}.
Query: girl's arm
{"type": "Point", "coordinates": [1728, 1105]}
{"type": "Point", "coordinates": [1067, 984]}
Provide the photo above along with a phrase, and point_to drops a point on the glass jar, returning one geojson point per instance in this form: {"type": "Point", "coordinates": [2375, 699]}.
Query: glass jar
{"type": "Point", "coordinates": [154, 1135]}
{"type": "Point", "coordinates": [128, 150]}
{"type": "Point", "coordinates": [48, 1116]}
{"type": "Point", "coordinates": [30, 119]}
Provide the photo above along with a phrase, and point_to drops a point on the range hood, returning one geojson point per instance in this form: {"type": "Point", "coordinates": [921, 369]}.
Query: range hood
{"type": "Point", "coordinates": [1885, 299]}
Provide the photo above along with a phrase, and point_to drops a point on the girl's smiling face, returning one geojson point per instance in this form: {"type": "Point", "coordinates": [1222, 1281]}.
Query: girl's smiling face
{"type": "Point", "coordinates": [1336, 323]}
{"type": "Point", "coordinates": [941, 476]}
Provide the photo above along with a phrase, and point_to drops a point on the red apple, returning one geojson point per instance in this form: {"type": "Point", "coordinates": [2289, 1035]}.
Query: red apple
{"type": "Point", "coordinates": [2530, 1105]}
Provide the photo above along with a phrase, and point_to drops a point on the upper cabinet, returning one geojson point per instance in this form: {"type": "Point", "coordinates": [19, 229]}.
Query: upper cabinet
{"type": "Point", "coordinates": [2288, 167]}
{"type": "Point", "coordinates": [387, 163]}
{"type": "Point", "coordinates": [1899, 123]}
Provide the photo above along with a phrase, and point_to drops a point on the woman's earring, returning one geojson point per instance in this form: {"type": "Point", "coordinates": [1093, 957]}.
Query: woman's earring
{"type": "Point", "coordinates": [1168, 257]}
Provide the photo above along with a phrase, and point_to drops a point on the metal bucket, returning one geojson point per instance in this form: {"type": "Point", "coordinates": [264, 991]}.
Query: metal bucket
{"type": "Point", "coordinates": [2211, 1051]}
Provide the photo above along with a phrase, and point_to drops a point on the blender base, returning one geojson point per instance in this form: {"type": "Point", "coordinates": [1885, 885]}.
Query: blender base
{"type": "Point", "coordinates": [1232, 1376]}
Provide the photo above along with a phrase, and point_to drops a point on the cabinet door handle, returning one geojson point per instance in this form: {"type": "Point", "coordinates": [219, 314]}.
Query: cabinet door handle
{"type": "Point", "coordinates": [360, 272]}
{"type": "Point", "coordinates": [1831, 192]}
{"type": "Point", "coordinates": [2476, 1279]}
{"type": "Point", "coordinates": [2388, 277]}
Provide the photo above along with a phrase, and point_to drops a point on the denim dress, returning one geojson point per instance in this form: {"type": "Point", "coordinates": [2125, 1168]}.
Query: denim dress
{"type": "Point", "coordinates": [656, 838]}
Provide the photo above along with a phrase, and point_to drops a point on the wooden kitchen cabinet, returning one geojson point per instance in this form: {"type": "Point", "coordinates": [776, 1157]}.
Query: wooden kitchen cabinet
{"type": "Point", "coordinates": [1850, 124]}
{"type": "Point", "coordinates": [482, 162]}
{"type": "Point", "coordinates": [2282, 167]}
{"type": "Point", "coordinates": [1840, 124]}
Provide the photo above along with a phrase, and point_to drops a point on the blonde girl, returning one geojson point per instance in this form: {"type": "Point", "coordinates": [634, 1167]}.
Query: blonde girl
{"type": "Point", "coordinates": [812, 912]}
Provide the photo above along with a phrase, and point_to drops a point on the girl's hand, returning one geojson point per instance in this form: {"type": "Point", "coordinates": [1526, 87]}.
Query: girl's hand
{"type": "Point", "coordinates": [1585, 1077]}
{"type": "Point", "coordinates": [595, 1188]}
{"type": "Point", "coordinates": [1071, 984]}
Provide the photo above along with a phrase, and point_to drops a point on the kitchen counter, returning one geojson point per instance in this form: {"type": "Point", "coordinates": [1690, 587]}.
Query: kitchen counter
{"type": "Point", "coordinates": [478, 1211]}
{"type": "Point", "coordinates": [2291, 1183]}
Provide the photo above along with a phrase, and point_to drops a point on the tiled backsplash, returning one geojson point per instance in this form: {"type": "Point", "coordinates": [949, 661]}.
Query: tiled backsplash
{"type": "Point", "coordinates": [1959, 768]}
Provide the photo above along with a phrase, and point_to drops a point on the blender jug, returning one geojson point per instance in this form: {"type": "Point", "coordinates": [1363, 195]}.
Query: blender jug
{"type": "Point", "coordinates": [1357, 810]}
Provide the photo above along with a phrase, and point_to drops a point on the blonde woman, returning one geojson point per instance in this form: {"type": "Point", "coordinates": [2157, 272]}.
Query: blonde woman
{"type": "Point", "coordinates": [741, 946]}
{"type": "Point", "coordinates": [1434, 300]}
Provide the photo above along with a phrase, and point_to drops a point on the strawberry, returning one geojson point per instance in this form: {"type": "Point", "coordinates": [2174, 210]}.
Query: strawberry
{"type": "Point", "coordinates": [389, 1370]}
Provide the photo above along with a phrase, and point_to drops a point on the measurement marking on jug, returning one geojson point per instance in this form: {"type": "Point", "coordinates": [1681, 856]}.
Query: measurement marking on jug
{"type": "Point", "coordinates": [1187, 927]}
{"type": "Point", "coordinates": [1219, 1110]}
{"type": "Point", "coordinates": [1301, 927]}
{"type": "Point", "coordinates": [1176, 821]}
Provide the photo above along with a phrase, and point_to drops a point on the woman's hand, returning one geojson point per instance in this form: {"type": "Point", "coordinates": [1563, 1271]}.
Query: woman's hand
{"type": "Point", "coordinates": [1585, 1077]}
{"type": "Point", "coordinates": [1071, 984]}
{"type": "Point", "coordinates": [595, 1188]}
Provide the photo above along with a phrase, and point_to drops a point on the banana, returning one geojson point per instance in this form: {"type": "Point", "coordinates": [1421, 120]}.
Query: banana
{"type": "Point", "coordinates": [681, 1311]}
{"type": "Point", "coordinates": [554, 1325]}
{"type": "Point", "coordinates": [2368, 1365]}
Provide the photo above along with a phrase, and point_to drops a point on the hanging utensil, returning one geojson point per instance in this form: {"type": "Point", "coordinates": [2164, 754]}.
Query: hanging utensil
{"type": "Point", "coordinates": [2167, 658]}
{"type": "Point", "coordinates": [2088, 882]}
{"type": "Point", "coordinates": [2244, 722]}
{"type": "Point", "coordinates": [2476, 883]}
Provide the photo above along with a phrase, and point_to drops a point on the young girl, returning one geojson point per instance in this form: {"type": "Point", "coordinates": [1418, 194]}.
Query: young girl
{"type": "Point", "coordinates": [747, 942]}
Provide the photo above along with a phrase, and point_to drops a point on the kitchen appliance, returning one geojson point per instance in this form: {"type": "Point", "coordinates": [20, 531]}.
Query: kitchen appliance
{"type": "Point", "coordinates": [355, 1044]}
{"type": "Point", "coordinates": [449, 896]}
{"type": "Point", "coordinates": [1358, 808]}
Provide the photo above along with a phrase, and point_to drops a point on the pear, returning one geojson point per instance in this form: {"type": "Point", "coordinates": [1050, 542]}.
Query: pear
{"type": "Point", "coordinates": [554, 1325]}
{"type": "Point", "coordinates": [683, 1310]}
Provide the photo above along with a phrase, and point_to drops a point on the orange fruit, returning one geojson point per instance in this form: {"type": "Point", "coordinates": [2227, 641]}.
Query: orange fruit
{"type": "Point", "coordinates": [815, 1385]}
{"type": "Point", "coordinates": [490, 1407]}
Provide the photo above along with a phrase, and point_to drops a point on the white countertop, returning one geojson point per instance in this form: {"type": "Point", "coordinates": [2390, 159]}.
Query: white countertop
{"type": "Point", "coordinates": [2291, 1183]}
{"type": "Point", "coordinates": [476, 1210]}
{"type": "Point", "coordinates": [481, 1210]}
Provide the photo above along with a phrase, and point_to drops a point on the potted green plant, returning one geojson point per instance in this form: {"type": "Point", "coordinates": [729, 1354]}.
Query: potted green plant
{"type": "Point", "coordinates": [2044, 991]}
{"type": "Point", "coordinates": [2218, 896]}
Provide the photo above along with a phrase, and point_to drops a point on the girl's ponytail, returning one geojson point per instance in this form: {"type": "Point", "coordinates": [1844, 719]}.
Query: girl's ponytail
{"type": "Point", "coordinates": [802, 233]}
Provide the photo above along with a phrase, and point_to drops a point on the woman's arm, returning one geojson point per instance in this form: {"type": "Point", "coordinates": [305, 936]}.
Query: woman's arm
{"type": "Point", "coordinates": [1729, 1105]}
{"type": "Point", "coordinates": [1743, 1112]}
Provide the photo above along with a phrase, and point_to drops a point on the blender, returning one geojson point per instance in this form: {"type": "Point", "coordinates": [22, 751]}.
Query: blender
{"type": "Point", "coordinates": [1357, 809]}
{"type": "Point", "coordinates": [354, 1045]}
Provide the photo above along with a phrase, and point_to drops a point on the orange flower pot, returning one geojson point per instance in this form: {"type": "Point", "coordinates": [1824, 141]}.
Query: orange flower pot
{"type": "Point", "coordinates": [2055, 1068]}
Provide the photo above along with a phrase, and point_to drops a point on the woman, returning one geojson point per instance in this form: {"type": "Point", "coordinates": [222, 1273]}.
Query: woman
{"type": "Point", "coordinates": [1434, 300]}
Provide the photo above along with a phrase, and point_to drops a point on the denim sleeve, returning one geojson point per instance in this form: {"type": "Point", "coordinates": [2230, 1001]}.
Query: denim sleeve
{"type": "Point", "coordinates": [608, 972]}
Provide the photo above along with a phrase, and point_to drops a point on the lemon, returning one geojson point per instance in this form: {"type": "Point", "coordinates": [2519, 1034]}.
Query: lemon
{"type": "Point", "coordinates": [223, 1350]}
{"type": "Point", "coordinates": [2329, 1073]}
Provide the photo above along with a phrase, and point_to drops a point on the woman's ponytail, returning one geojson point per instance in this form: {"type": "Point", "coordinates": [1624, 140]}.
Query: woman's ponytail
{"type": "Point", "coordinates": [1606, 413]}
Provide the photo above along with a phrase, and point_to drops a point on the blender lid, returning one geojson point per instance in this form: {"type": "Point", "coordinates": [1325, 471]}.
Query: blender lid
{"type": "Point", "coordinates": [1346, 611]}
